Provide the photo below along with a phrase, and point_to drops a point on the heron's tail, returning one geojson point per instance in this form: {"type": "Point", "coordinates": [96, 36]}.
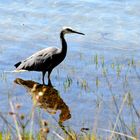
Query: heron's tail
{"type": "Point", "coordinates": [17, 64]}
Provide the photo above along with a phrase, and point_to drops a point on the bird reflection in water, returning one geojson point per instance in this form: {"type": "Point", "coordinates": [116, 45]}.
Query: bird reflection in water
{"type": "Point", "coordinates": [46, 97]}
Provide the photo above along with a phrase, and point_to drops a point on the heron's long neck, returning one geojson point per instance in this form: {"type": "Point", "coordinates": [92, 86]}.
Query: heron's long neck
{"type": "Point", "coordinates": [64, 44]}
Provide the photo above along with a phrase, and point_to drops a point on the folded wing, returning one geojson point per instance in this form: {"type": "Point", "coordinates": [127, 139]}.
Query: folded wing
{"type": "Point", "coordinates": [38, 61]}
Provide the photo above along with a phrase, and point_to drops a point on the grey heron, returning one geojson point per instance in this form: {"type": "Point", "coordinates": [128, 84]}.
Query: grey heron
{"type": "Point", "coordinates": [46, 59]}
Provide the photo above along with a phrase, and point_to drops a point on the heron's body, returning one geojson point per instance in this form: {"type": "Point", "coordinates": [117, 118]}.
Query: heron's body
{"type": "Point", "coordinates": [41, 61]}
{"type": "Point", "coordinates": [46, 59]}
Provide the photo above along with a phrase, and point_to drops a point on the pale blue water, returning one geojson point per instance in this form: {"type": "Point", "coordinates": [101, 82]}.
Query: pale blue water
{"type": "Point", "coordinates": [112, 31]}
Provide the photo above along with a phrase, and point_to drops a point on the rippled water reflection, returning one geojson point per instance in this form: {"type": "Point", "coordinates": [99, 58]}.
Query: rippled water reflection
{"type": "Point", "coordinates": [46, 97]}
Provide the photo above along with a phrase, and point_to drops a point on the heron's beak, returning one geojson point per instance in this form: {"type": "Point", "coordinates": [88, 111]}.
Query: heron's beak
{"type": "Point", "coordinates": [78, 32]}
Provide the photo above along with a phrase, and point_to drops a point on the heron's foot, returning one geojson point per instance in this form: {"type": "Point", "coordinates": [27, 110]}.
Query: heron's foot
{"type": "Point", "coordinates": [44, 83]}
{"type": "Point", "coordinates": [49, 83]}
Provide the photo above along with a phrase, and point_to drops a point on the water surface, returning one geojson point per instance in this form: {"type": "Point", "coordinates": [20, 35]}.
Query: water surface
{"type": "Point", "coordinates": [98, 65]}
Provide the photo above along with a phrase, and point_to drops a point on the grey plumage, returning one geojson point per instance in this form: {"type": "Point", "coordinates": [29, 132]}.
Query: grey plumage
{"type": "Point", "coordinates": [38, 60]}
{"type": "Point", "coordinates": [46, 59]}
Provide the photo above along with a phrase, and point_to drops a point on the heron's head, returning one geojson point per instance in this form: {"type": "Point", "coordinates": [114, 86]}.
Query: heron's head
{"type": "Point", "coordinates": [68, 30]}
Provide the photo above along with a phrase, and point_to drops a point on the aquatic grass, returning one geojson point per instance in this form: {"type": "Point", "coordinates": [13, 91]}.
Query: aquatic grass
{"type": "Point", "coordinates": [96, 60]}
{"type": "Point", "coordinates": [122, 127]}
{"type": "Point", "coordinates": [3, 76]}
{"type": "Point", "coordinates": [118, 70]}
{"type": "Point", "coordinates": [118, 133]}
{"type": "Point", "coordinates": [80, 136]}
{"type": "Point", "coordinates": [117, 118]}
{"type": "Point", "coordinates": [67, 83]}
{"type": "Point", "coordinates": [97, 82]}
{"type": "Point", "coordinates": [133, 112]}
{"type": "Point", "coordinates": [102, 61]}
{"type": "Point", "coordinates": [32, 122]}
{"type": "Point", "coordinates": [113, 66]}
{"type": "Point", "coordinates": [83, 84]}
{"type": "Point", "coordinates": [135, 69]}
{"type": "Point", "coordinates": [119, 128]}
{"type": "Point", "coordinates": [1, 136]}
{"type": "Point", "coordinates": [5, 136]}
{"type": "Point", "coordinates": [15, 121]}
{"type": "Point", "coordinates": [22, 132]}
{"type": "Point", "coordinates": [58, 136]}
{"type": "Point", "coordinates": [104, 71]}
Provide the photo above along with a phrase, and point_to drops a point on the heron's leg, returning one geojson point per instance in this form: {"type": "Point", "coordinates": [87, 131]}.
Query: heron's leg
{"type": "Point", "coordinates": [49, 80]}
{"type": "Point", "coordinates": [43, 75]}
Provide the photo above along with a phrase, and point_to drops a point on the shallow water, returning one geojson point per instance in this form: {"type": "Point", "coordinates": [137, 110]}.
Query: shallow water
{"type": "Point", "coordinates": [110, 45]}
